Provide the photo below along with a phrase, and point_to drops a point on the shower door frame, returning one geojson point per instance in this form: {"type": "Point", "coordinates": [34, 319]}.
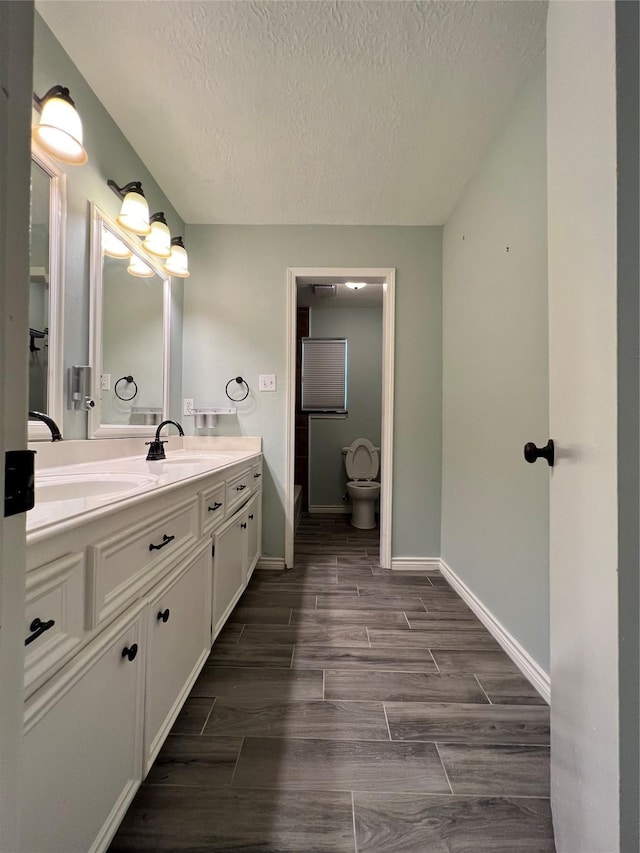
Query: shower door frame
{"type": "Point", "coordinates": [386, 441]}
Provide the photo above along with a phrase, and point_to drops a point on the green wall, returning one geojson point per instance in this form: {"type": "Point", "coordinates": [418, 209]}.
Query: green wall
{"type": "Point", "coordinates": [110, 156]}
{"type": "Point", "coordinates": [327, 436]}
{"type": "Point", "coordinates": [235, 324]}
{"type": "Point", "coordinates": [495, 507]}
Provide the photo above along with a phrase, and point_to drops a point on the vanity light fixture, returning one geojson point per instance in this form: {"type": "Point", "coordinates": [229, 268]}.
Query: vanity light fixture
{"type": "Point", "coordinates": [178, 263]}
{"type": "Point", "coordinates": [138, 268]}
{"type": "Point", "coordinates": [158, 242]}
{"type": "Point", "coordinates": [355, 285]}
{"type": "Point", "coordinates": [134, 213]}
{"type": "Point", "coordinates": [59, 130]}
{"type": "Point", "coordinates": [113, 246]}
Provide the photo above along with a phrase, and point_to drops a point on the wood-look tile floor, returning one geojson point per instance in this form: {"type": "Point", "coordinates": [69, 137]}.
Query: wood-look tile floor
{"type": "Point", "coordinates": [348, 708]}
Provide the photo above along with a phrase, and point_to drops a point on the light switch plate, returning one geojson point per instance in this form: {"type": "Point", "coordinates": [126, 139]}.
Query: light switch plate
{"type": "Point", "coordinates": [267, 382]}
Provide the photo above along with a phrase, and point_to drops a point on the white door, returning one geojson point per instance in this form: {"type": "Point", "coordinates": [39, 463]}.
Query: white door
{"type": "Point", "coordinates": [16, 49]}
{"type": "Point", "coordinates": [581, 136]}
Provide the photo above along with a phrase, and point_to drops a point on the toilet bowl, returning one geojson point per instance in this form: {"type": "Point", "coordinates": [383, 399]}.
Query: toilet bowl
{"type": "Point", "coordinates": [362, 464]}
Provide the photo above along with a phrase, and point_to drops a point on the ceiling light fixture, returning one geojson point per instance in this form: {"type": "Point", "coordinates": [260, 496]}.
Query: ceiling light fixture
{"type": "Point", "coordinates": [178, 263]}
{"type": "Point", "coordinates": [134, 213]}
{"type": "Point", "coordinates": [59, 130]}
{"type": "Point", "coordinates": [158, 242]}
{"type": "Point", "coordinates": [138, 268]}
{"type": "Point", "coordinates": [355, 285]}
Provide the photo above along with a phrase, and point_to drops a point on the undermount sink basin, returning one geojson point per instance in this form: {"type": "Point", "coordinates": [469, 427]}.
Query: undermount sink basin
{"type": "Point", "coordinates": [66, 487]}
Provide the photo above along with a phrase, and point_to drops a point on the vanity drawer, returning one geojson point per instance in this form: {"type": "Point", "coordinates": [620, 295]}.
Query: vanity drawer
{"type": "Point", "coordinates": [123, 565]}
{"type": "Point", "coordinates": [54, 616]}
{"type": "Point", "coordinates": [213, 507]}
{"type": "Point", "coordinates": [256, 475]}
{"type": "Point", "coordinates": [238, 490]}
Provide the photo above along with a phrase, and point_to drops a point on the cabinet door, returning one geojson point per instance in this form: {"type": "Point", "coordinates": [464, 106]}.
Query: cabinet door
{"type": "Point", "coordinates": [178, 643]}
{"type": "Point", "coordinates": [254, 533]}
{"type": "Point", "coordinates": [229, 571]}
{"type": "Point", "coordinates": [82, 745]}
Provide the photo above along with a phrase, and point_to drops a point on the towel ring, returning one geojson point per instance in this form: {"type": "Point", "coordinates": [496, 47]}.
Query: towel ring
{"type": "Point", "coordinates": [128, 380]}
{"type": "Point", "coordinates": [240, 381]}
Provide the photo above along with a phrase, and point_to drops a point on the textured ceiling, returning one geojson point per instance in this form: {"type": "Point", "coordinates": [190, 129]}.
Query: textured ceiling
{"type": "Point", "coordinates": [305, 112]}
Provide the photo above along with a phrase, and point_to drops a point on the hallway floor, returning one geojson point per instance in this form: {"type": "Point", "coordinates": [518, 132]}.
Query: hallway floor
{"type": "Point", "coordinates": [348, 708]}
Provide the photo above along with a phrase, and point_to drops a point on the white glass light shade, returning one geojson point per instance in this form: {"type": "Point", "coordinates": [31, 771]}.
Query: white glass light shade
{"type": "Point", "coordinates": [113, 246]}
{"type": "Point", "coordinates": [355, 285]}
{"type": "Point", "coordinates": [59, 131]}
{"type": "Point", "coordinates": [158, 242]}
{"type": "Point", "coordinates": [138, 268]}
{"type": "Point", "coordinates": [178, 263]}
{"type": "Point", "coordinates": [134, 214]}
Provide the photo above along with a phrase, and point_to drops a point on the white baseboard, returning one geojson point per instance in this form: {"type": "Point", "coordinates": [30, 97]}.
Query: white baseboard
{"type": "Point", "coordinates": [531, 670]}
{"type": "Point", "coordinates": [330, 509]}
{"type": "Point", "coordinates": [415, 564]}
{"type": "Point", "coordinates": [271, 563]}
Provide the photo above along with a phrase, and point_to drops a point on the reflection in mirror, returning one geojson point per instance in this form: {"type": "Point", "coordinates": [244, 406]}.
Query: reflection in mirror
{"type": "Point", "coordinates": [46, 245]}
{"type": "Point", "coordinates": [130, 320]}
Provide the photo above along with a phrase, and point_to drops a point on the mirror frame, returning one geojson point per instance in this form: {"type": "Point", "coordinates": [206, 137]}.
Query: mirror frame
{"type": "Point", "coordinates": [96, 429]}
{"type": "Point", "coordinates": [37, 431]}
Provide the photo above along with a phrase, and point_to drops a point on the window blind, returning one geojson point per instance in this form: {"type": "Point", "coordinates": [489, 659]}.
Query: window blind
{"type": "Point", "coordinates": [324, 374]}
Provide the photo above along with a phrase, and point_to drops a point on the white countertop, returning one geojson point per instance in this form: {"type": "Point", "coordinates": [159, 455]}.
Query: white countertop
{"type": "Point", "coordinates": [119, 482]}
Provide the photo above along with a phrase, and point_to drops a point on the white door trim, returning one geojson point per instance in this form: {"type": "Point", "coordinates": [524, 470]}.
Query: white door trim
{"type": "Point", "coordinates": [386, 442]}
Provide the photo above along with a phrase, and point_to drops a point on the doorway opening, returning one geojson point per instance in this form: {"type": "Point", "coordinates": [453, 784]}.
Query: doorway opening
{"type": "Point", "coordinates": [315, 492]}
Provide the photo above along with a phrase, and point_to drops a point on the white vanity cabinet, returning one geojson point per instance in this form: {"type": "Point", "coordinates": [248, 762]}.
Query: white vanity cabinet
{"type": "Point", "coordinates": [82, 745]}
{"type": "Point", "coordinates": [229, 575]}
{"type": "Point", "coordinates": [236, 551]}
{"type": "Point", "coordinates": [178, 643]}
{"type": "Point", "coordinates": [121, 610]}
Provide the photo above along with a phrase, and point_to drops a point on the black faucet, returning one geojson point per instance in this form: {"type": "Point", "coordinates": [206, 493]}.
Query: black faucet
{"type": "Point", "coordinates": [156, 449]}
{"type": "Point", "coordinates": [56, 435]}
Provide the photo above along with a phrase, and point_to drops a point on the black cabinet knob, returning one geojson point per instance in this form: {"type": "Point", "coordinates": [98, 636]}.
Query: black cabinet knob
{"type": "Point", "coordinates": [131, 652]}
{"type": "Point", "coordinates": [251, 517]}
{"type": "Point", "coordinates": [163, 615]}
{"type": "Point", "coordinates": [243, 525]}
{"type": "Point", "coordinates": [532, 453]}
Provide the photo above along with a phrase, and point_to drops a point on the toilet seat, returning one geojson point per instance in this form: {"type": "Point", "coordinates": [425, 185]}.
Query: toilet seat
{"type": "Point", "coordinates": [361, 460]}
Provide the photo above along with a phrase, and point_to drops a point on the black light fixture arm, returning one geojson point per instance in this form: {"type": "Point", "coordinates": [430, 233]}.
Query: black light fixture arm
{"type": "Point", "coordinates": [56, 91]}
{"type": "Point", "coordinates": [131, 187]}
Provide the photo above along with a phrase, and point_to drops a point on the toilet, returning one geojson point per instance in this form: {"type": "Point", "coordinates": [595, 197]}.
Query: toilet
{"type": "Point", "coordinates": [362, 463]}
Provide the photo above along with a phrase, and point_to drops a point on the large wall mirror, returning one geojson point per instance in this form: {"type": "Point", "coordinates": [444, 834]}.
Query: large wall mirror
{"type": "Point", "coordinates": [46, 276]}
{"type": "Point", "coordinates": [130, 323]}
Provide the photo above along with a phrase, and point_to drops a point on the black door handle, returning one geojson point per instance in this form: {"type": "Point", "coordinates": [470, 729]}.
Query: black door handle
{"type": "Point", "coordinates": [216, 506]}
{"type": "Point", "coordinates": [163, 615]}
{"type": "Point", "coordinates": [165, 541]}
{"type": "Point", "coordinates": [240, 487]}
{"type": "Point", "coordinates": [531, 452]}
{"type": "Point", "coordinates": [38, 627]}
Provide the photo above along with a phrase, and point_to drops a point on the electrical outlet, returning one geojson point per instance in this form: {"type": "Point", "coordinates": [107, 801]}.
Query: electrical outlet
{"type": "Point", "coordinates": [105, 381]}
{"type": "Point", "coordinates": [267, 382]}
{"type": "Point", "coordinates": [187, 406]}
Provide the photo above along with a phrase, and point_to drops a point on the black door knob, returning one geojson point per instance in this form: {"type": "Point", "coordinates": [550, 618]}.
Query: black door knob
{"type": "Point", "coordinates": [531, 452]}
